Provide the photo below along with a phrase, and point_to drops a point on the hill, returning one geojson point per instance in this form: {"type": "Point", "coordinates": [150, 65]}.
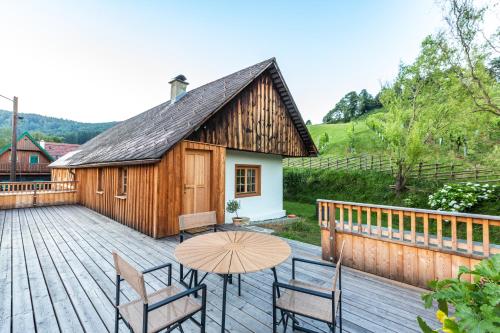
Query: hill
{"type": "Point", "coordinates": [355, 138]}
{"type": "Point", "coordinates": [56, 129]}
{"type": "Point", "coordinates": [362, 139]}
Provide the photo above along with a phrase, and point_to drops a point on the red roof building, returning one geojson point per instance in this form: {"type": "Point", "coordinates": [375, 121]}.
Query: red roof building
{"type": "Point", "coordinates": [57, 149]}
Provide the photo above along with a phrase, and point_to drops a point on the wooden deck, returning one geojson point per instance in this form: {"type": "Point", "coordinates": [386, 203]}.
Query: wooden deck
{"type": "Point", "coordinates": [56, 274]}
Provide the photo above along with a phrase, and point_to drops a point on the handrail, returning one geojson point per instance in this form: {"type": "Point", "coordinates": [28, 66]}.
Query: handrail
{"type": "Point", "coordinates": [418, 210]}
{"type": "Point", "coordinates": [45, 186]}
{"type": "Point", "coordinates": [430, 229]}
{"type": "Point", "coordinates": [39, 193]}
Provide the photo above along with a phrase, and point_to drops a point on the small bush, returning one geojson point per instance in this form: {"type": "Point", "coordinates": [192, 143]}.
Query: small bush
{"type": "Point", "coordinates": [476, 305]}
{"type": "Point", "coordinates": [461, 197]}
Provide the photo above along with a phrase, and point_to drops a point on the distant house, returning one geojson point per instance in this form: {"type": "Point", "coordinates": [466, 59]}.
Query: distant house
{"type": "Point", "coordinates": [58, 149]}
{"type": "Point", "coordinates": [32, 160]}
{"type": "Point", "coordinates": [221, 141]}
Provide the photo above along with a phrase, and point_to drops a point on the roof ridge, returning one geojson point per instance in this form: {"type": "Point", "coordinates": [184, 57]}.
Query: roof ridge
{"type": "Point", "coordinates": [270, 60]}
{"type": "Point", "coordinates": [151, 133]}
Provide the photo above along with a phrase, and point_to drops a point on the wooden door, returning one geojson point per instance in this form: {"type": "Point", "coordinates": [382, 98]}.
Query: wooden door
{"type": "Point", "coordinates": [196, 181]}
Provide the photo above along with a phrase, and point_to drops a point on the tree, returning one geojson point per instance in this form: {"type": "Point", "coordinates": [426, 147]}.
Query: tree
{"type": "Point", "coordinates": [38, 136]}
{"type": "Point", "coordinates": [351, 136]}
{"type": "Point", "coordinates": [422, 105]}
{"type": "Point", "coordinates": [469, 51]}
{"type": "Point", "coordinates": [323, 142]}
{"type": "Point", "coordinates": [308, 122]}
{"type": "Point", "coordinates": [352, 106]}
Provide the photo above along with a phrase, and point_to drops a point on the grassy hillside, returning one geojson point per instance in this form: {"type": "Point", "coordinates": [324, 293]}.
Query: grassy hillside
{"type": "Point", "coordinates": [364, 141]}
{"type": "Point", "coordinates": [67, 130]}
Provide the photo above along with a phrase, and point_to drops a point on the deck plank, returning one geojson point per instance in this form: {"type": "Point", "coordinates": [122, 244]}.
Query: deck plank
{"type": "Point", "coordinates": [89, 318]}
{"type": "Point", "coordinates": [6, 272]}
{"type": "Point", "coordinates": [22, 310]}
{"type": "Point", "coordinates": [155, 254]}
{"type": "Point", "coordinates": [44, 315]}
{"type": "Point", "coordinates": [62, 257]}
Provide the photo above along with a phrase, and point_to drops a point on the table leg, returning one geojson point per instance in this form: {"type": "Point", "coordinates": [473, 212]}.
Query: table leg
{"type": "Point", "coordinates": [224, 291]}
{"type": "Point", "coordinates": [239, 284]}
{"type": "Point", "coordinates": [195, 282]}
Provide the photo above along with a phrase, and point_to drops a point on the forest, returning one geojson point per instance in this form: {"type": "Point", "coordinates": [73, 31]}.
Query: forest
{"type": "Point", "coordinates": [50, 128]}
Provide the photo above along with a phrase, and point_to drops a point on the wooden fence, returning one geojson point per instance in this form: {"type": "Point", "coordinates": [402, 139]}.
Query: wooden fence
{"type": "Point", "coordinates": [439, 171]}
{"type": "Point", "coordinates": [30, 194]}
{"type": "Point", "coordinates": [406, 244]}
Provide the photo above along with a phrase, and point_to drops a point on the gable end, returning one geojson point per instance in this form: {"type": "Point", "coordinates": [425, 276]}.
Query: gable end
{"type": "Point", "coordinates": [258, 119]}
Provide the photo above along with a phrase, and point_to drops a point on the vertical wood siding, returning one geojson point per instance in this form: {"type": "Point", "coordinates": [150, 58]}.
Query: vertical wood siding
{"type": "Point", "coordinates": [171, 182]}
{"type": "Point", "coordinates": [137, 210]}
{"type": "Point", "coordinates": [256, 120]}
{"type": "Point", "coordinates": [155, 191]}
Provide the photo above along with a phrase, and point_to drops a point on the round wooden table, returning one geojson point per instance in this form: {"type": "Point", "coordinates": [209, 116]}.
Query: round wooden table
{"type": "Point", "coordinates": [232, 252]}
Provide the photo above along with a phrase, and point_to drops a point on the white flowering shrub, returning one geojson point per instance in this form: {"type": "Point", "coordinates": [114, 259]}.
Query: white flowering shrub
{"type": "Point", "coordinates": [461, 197]}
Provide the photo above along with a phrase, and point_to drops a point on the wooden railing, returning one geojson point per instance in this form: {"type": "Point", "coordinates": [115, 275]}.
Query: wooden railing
{"type": "Point", "coordinates": [422, 170]}
{"type": "Point", "coordinates": [30, 194]}
{"type": "Point", "coordinates": [26, 168]}
{"type": "Point", "coordinates": [406, 244]}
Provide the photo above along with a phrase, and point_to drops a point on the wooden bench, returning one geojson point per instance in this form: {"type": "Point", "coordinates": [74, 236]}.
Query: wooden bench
{"type": "Point", "coordinates": [197, 222]}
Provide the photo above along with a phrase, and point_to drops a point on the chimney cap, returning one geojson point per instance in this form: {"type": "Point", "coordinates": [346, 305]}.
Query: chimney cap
{"type": "Point", "coordinates": [180, 78]}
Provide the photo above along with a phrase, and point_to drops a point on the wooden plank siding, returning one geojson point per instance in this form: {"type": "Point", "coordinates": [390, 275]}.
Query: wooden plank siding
{"type": "Point", "coordinates": [255, 120]}
{"type": "Point", "coordinates": [170, 185]}
{"type": "Point", "coordinates": [137, 210]}
{"type": "Point", "coordinates": [154, 197]}
{"type": "Point", "coordinates": [413, 256]}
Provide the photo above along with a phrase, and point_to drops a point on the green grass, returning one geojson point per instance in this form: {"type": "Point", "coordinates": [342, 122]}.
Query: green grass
{"type": "Point", "coordinates": [306, 229]}
{"type": "Point", "coordinates": [365, 141]}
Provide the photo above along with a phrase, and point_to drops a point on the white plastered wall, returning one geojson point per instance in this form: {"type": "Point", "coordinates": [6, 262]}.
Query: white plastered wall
{"type": "Point", "coordinates": [269, 204]}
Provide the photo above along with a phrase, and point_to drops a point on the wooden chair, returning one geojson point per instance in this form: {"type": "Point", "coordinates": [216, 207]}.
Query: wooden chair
{"type": "Point", "coordinates": [164, 309]}
{"type": "Point", "coordinates": [299, 298]}
{"type": "Point", "coordinates": [193, 222]}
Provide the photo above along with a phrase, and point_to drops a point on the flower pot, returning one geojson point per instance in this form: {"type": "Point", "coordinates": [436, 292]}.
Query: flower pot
{"type": "Point", "coordinates": [237, 221]}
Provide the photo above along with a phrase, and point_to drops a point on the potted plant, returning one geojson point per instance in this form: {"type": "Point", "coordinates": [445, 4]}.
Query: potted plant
{"type": "Point", "coordinates": [232, 207]}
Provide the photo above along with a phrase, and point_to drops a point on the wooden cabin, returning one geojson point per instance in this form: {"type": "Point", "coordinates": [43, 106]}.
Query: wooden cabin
{"type": "Point", "coordinates": [32, 160]}
{"type": "Point", "coordinates": [221, 141]}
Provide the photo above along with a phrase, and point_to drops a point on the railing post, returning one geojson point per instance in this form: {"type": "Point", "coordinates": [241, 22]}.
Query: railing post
{"type": "Point", "coordinates": [34, 194]}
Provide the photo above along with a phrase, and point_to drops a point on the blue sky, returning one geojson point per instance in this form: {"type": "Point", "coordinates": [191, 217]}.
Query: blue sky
{"type": "Point", "coordinates": [109, 60]}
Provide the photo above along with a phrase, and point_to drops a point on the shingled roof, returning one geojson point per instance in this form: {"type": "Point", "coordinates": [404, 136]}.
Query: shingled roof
{"type": "Point", "coordinates": [149, 135]}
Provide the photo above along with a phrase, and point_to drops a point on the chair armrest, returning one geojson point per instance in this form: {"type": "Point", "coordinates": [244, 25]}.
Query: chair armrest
{"type": "Point", "coordinates": [302, 290]}
{"type": "Point", "coordinates": [180, 295]}
{"type": "Point", "coordinates": [152, 269]}
{"type": "Point", "coordinates": [312, 262]}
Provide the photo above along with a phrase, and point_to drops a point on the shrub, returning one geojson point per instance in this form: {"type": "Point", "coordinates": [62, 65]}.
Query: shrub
{"type": "Point", "coordinates": [233, 206]}
{"type": "Point", "coordinates": [476, 304]}
{"type": "Point", "coordinates": [461, 197]}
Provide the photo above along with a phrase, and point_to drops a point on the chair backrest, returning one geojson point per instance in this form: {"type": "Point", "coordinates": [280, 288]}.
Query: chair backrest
{"type": "Point", "coordinates": [197, 220]}
{"type": "Point", "coordinates": [133, 277]}
{"type": "Point", "coordinates": [337, 267]}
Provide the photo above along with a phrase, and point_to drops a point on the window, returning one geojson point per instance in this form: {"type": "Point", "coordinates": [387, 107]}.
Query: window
{"type": "Point", "coordinates": [34, 159]}
{"type": "Point", "coordinates": [247, 182]}
{"type": "Point", "coordinates": [100, 180]}
{"type": "Point", "coordinates": [123, 177]}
